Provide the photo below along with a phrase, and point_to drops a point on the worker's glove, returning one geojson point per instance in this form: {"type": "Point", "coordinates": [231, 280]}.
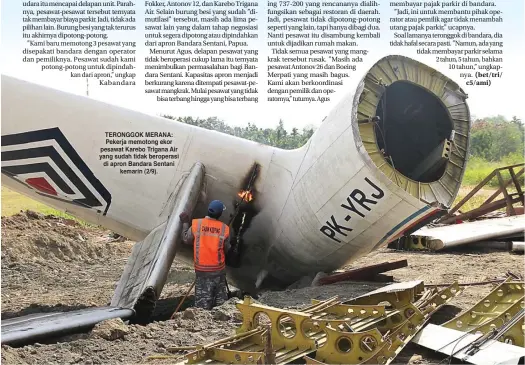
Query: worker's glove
{"type": "Point", "coordinates": [184, 218]}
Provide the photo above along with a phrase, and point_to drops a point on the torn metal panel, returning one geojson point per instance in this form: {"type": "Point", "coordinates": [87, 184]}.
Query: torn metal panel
{"type": "Point", "coordinates": [363, 273]}
{"type": "Point", "coordinates": [138, 266]}
{"type": "Point", "coordinates": [413, 287]}
{"type": "Point", "coordinates": [27, 329]}
{"type": "Point", "coordinates": [438, 238]}
{"type": "Point", "coordinates": [456, 343]}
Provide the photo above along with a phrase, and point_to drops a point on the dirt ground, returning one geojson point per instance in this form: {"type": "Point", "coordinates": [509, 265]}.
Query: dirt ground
{"type": "Point", "coordinates": [51, 264]}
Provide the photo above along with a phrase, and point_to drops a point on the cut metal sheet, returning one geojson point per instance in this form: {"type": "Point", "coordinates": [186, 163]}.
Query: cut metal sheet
{"type": "Point", "coordinates": [27, 329]}
{"type": "Point", "coordinates": [363, 273]}
{"type": "Point", "coordinates": [413, 287]}
{"type": "Point", "coordinates": [147, 268]}
{"type": "Point", "coordinates": [449, 341]}
{"type": "Point", "coordinates": [490, 332]}
{"type": "Point", "coordinates": [438, 238]}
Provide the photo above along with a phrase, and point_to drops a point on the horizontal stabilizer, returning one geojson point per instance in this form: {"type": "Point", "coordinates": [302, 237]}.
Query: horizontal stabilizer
{"type": "Point", "coordinates": [138, 268]}
{"type": "Point", "coordinates": [438, 238]}
{"type": "Point", "coordinates": [28, 329]}
{"type": "Point", "coordinates": [147, 268]}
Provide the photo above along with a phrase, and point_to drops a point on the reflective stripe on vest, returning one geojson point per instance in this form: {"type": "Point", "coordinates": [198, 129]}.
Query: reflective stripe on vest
{"type": "Point", "coordinates": [208, 248]}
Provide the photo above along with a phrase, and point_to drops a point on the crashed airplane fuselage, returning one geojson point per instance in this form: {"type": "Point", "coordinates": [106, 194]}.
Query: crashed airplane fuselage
{"type": "Point", "coordinates": [386, 160]}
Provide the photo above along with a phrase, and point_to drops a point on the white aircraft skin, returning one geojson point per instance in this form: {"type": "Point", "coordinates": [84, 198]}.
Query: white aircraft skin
{"type": "Point", "coordinates": [318, 207]}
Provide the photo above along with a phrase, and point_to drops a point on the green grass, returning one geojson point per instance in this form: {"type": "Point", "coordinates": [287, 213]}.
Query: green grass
{"type": "Point", "coordinates": [476, 201]}
{"type": "Point", "coordinates": [13, 203]}
{"type": "Point", "coordinates": [478, 169]}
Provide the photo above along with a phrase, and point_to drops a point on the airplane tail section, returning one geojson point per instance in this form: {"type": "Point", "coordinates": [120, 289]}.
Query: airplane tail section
{"type": "Point", "coordinates": [413, 124]}
{"type": "Point", "coordinates": [148, 266]}
{"type": "Point", "coordinates": [387, 160]}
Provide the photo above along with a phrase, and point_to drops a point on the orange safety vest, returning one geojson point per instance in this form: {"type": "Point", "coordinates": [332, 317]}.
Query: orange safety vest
{"type": "Point", "coordinates": [208, 247]}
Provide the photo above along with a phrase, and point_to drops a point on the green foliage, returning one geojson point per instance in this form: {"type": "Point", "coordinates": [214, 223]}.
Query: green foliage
{"type": "Point", "coordinates": [495, 142]}
{"type": "Point", "coordinates": [479, 168]}
{"type": "Point", "coordinates": [495, 138]}
{"type": "Point", "coordinates": [277, 137]}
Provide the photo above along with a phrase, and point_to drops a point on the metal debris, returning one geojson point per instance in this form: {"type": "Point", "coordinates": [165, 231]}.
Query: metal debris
{"type": "Point", "coordinates": [490, 332]}
{"type": "Point", "coordinates": [439, 238]}
{"type": "Point", "coordinates": [363, 330]}
{"type": "Point", "coordinates": [496, 309]}
{"type": "Point", "coordinates": [517, 246]}
{"type": "Point", "coordinates": [363, 273]}
{"type": "Point", "coordinates": [508, 201]}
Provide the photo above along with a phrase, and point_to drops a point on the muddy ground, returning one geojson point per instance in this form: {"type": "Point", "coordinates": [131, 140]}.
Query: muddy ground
{"type": "Point", "coordinates": [51, 264]}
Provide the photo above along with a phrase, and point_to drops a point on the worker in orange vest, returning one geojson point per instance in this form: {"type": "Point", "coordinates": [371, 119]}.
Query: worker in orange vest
{"type": "Point", "coordinates": [211, 239]}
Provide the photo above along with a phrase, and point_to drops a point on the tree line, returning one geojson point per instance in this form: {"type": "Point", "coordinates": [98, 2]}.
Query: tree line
{"type": "Point", "coordinates": [496, 138]}
{"type": "Point", "coordinates": [492, 138]}
{"type": "Point", "coordinates": [277, 137]}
